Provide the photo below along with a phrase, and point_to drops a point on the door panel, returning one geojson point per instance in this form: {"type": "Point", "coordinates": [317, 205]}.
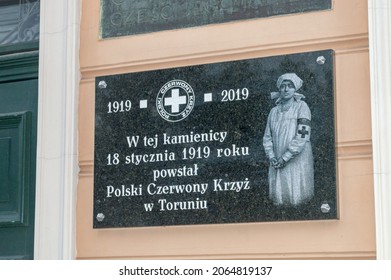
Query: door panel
{"type": "Point", "coordinates": [15, 134]}
{"type": "Point", "coordinates": [18, 118]}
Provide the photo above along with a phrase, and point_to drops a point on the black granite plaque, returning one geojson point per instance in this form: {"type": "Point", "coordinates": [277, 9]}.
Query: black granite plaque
{"type": "Point", "coordinates": [128, 17]}
{"type": "Point", "coordinates": [232, 142]}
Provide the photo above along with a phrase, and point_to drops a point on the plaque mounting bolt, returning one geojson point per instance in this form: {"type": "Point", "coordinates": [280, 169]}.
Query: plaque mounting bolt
{"type": "Point", "coordinates": [325, 208]}
{"type": "Point", "coordinates": [100, 217]}
{"type": "Point", "coordinates": [321, 60]}
{"type": "Point", "coordinates": [102, 84]}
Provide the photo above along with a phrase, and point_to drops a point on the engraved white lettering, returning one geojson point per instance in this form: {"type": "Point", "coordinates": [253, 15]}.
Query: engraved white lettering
{"type": "Point", "coordinates": [182, 205]}
{"type": "Point", "coordinates": [124, 191]}
{"type": "Point", "coordinates": [132, 141]}
{"type": "Point", "coordinates": [154, 189]}
{"type": "Point", "coordinates": [233, 151]}
{"type": "Point", "coordinates": [148, 158]}
{"type": "Point", "coordinates": [218, 136]}
{"type": "Point", "coordinates": [183, 171]}
{"type": "Point", "coordinates": [236, 186]}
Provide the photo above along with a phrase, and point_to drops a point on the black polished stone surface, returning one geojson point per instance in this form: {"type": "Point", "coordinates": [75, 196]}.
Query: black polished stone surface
{"type": "Point", "coordinates": [127, 106]}
{"type": "Point", "coordinates": [128, 17]}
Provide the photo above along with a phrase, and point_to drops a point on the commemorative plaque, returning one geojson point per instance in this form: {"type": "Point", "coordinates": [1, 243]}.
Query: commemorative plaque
{"type": "Point", "coordinates": [231, 142]}
{"type": "Point", "coordinates": [128, 17]}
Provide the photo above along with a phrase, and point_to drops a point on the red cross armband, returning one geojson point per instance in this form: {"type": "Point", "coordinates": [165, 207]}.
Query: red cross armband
{"type": "Point", "coordinates": [303, 129]}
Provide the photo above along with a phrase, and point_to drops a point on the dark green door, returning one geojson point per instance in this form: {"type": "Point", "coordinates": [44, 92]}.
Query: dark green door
{"type": "Point", "coordinates": [18, 126]}
{"type": "Point", "coordinates": [19, 35]}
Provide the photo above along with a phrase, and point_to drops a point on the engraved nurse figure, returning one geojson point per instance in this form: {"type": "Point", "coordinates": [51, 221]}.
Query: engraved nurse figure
{"type": "Point", "coordinates": [287, 145]}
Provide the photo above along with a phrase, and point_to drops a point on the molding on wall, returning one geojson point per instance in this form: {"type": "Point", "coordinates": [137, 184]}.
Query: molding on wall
{"type": "Point", "coordinates": [288, 256]}
{"type": "Point", "coordinates": [57, 167]}
{"type": "Point", "coordinates": [86, 168]}
{"type": "Point", "coordinates": [353, 50]}
{"type": "Point", "coordinates": [361, 149]}
{"type": "Point", "coordinates": [342, 44]}
{"type": "Point", "coordinates": [379, 12]}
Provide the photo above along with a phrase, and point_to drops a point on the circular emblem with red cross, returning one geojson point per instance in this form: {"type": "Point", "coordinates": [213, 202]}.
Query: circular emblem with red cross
{"type": "Point", "coordinates": [175, 100]}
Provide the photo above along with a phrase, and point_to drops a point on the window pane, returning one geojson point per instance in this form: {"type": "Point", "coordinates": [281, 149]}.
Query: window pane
{"type": "Point", "coordinates": [19, 21]}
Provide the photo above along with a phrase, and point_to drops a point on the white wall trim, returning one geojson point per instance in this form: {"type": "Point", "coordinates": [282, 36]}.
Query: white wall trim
{"type": "Point", "coordinates": [57, 166]}
{"type": "Point", "coordinates": [379, 12]}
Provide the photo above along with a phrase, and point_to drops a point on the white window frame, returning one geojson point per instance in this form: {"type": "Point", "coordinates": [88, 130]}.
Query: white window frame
{"type": "Point", "coordinates": [57, 160]}
{"type": "Point", "coordinates": [379, 20]}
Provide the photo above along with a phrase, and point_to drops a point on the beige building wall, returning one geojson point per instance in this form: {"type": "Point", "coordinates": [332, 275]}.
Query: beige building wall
{"type": "Point", "coordinates": [343, 29]}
